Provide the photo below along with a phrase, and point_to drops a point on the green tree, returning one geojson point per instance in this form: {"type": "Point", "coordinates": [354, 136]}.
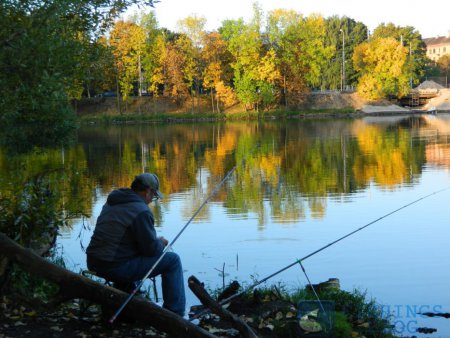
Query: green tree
{"type": "Point", "coordinates": [99, 72]}
{"type": "Point", "coordinates": [154, 52]}
{"type": "Point", "coordinates": [314, 54]}
{"type": "Point", "coordinates": [340, 31]}
{"type": "Point", "coordinates": [244, 43]}
{"type": "Point", "coordinates": [443, 66]}
{"type": "Point", "coordinates": [255, 67]}
{"type": "Point", "coordinates": [300, 46]}
{"type": "Point", "coordinates": [43, 47]}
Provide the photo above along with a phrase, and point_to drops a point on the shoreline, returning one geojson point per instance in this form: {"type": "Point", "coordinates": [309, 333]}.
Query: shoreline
{"type": "Point", "coordinates": [309, 106]}
{"type": "Point", "coordinates": [135, 118]}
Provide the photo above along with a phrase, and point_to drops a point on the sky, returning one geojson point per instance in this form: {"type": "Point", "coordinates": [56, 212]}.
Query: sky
{"type": "Point", "coordinates": [430, 18]}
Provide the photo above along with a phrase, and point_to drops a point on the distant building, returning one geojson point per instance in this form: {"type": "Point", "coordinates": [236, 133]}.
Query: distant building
{"type": "Point", "coordinates": [437, 47]}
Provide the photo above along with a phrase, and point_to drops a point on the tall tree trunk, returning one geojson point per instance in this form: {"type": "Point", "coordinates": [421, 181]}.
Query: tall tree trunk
{"type": "Point", "coordinates": [285, 91]}
{"type": "Point", "coordinates": [118, 94]}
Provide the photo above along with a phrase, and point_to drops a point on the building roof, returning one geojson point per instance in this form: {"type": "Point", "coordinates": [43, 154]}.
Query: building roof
{"type": "Point", "coordinates": [437, 40]}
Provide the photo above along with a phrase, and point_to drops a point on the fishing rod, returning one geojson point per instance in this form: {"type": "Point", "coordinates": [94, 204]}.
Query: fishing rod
{"type": "Point", "coordinates": [169, 246]}
{"type": "Point", "coordinates": [299, 261]}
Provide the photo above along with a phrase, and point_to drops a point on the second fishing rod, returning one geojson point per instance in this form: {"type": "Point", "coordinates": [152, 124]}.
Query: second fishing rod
{"type": "Point", "coordinates": [169, 246]}
{"type": "Point", "coordinates": [299, 261]}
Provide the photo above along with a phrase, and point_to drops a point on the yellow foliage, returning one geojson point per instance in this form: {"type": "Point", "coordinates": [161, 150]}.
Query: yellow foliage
{"type": "Point", "coordinates": [382, 159]}
{"type": "Point", "coordinates": [267, 69]}
{"type": "Point", "coordinates": [383, 65]}
{"type": "Point", "coordinates": [226, 144]}
{"type": "Point", "coordinates": [127, 40]}
{"type": "Point", "coordinates": [225, 94]}
{"type": "Point", "coordinates": [211, 74]}
{"type": "Point", "coordinates": [159, 53]}
{"type": "Point", "coordinates": [369, 87]}
{"type": "Point", "coordinates": [270, 166]}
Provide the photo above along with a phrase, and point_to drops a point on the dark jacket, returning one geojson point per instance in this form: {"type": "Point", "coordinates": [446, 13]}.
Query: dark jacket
{"type": "Point", "coordinates": [124, 230]}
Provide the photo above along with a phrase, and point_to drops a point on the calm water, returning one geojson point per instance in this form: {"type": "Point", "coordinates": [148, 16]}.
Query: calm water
{"type": "Point", "coordinates": [305, 184]}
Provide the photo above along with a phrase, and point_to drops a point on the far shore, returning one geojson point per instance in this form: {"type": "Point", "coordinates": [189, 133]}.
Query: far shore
{"type": "Point", "coordinates": [134, 118]}
{"type": "Point", "coordinates": [311, 106]}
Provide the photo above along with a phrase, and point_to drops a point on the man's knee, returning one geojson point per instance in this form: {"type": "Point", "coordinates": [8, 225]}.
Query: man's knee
{"type": "Point", "coordinates": [173, 259]}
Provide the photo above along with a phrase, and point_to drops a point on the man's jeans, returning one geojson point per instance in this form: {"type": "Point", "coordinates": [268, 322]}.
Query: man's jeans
{"type": "Point", "coordinates": [170, 270]}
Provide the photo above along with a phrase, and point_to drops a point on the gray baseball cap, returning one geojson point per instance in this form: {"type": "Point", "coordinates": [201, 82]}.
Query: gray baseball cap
{"type": "Point", "coordinates": [151, 181]}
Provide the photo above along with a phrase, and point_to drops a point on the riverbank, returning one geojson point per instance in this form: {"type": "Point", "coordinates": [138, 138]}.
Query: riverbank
{"type": "Point", "coordinates": [313, 105]}
{"type": "Point", "coordinates": [270, 312]}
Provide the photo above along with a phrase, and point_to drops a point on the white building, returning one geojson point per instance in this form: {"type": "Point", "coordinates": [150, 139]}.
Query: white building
{"type": "Point", "coordinates": [438, 46]}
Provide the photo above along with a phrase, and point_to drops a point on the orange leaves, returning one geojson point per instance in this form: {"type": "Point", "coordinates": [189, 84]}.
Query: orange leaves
{"type": "Point", "coordinates": [175, 84]}
{"type": "Point", "coordinates": [212, 74]}
{"type": "Point", "coordinates": [225, 94]}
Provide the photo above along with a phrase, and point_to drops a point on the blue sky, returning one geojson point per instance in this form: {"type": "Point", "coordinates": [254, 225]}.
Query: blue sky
{"type": "Point", "coordinates": [430, 18]}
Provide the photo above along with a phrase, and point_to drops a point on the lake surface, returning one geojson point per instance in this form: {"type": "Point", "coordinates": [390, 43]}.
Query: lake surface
{"type": "Point", "coordinates": [298, 185]}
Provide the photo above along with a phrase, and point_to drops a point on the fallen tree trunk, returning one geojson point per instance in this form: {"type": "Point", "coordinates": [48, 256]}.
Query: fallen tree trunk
{"type": "Point", "coordinates": [73, 286]}
{"type": "Point", "coordinates": [198, 289]}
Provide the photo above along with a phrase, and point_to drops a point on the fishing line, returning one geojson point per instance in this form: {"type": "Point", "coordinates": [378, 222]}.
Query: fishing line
{"type": "Point", "coordinates": [226, 300]}
{"type": "Point", "coordinates": [315, 294]}
{"type": "Point", "coordinates": [169, 246]}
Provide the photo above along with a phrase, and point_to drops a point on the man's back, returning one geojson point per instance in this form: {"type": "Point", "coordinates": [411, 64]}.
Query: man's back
{"type": "Point", "coordinates": [124, 222]}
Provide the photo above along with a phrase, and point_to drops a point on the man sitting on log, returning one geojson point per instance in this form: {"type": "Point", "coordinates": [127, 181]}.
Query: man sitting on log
{"type": "Point", "coordinates": [125, 246]}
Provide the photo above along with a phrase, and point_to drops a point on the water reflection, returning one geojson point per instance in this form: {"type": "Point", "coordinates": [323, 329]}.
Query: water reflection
{"type": "Point", "coordinates": [296, 166]}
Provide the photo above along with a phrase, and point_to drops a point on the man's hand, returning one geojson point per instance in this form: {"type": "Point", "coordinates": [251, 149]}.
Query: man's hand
{"type": "Point", "coordinates": [164, 241]}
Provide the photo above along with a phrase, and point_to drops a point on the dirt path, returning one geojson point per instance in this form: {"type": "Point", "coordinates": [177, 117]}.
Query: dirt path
{"type": "Point", "coordinates": [441, 102]}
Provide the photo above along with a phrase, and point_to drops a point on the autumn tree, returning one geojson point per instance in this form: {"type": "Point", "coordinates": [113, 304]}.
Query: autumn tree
{"type": "Point", "coordinates": [244, 44]}
{"type": "Point", "coordinates": [411, 39]}
{"type": "Point", "coordinates": [383, 66]}
{"type": "Point", "coordinates": [279, 33]}
{"type": "Point", "coordinates": [255, 71]}
{"type": "Point", "coordinates": [300, 47]}
{"type": "Point", "coordinates": [127, 41]}
{"type": "Point", "coordinates": [154, 54]}
{"type": "Point", "coordinates": [178, 68]}
{"type": "Point", "coordinates": [314, 54]}
{"type": "Point", "coordinates": [192, 27]}
{"type": "Point", "coordinates": [217, 73]}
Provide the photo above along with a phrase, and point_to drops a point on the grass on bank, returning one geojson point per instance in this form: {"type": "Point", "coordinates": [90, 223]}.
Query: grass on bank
{"type": "Point", "coordinates": [354, 314]}
{"type": "Point", "coordinates": [189, 116]}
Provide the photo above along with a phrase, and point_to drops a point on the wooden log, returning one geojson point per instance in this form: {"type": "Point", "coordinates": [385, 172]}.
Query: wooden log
{"type": "Point", "coordinates": [229, 291]}
{"type": "Point", "coordinates": [74, 286]}
{"type": "Point", "coordinates": [198, 289]}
